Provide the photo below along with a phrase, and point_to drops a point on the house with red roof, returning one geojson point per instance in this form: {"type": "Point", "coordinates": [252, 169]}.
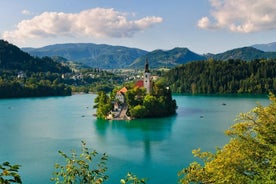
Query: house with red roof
{"type": "Point", "coordinates": [120, 95]}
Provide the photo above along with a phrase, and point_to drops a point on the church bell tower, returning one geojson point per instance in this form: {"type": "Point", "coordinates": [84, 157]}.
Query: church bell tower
{"type": "Point", "coordinates": [147, 82]}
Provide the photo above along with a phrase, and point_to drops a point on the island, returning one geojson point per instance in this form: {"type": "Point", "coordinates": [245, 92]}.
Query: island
{"type": "Point", "coordinates": [143, 99]}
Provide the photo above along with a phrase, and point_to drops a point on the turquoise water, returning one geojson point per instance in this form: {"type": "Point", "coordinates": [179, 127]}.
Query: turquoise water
{"type": "Point", "coordinates": [32, 130]}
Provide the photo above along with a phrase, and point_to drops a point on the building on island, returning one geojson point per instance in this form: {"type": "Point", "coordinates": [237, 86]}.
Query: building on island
{"type": "Point", "coordinates": [120, 95]}
{"type": "Point", "coordinates": [146, 82]}
{"type": "Point", "coordinates": [120, 107]}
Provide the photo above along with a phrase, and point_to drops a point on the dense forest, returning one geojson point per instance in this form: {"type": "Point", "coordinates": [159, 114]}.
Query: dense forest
{"type": "Point", "coordinates": [22, 75]}
{"type": "Point", "coordinates": [12, 58]}
{"type": "Point", "coordinates": [13, 85]}
{"type": "Point", "coordinates": [224, 77]}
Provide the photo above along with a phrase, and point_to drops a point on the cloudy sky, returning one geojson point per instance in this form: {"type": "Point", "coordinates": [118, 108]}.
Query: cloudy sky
{"type": "Point", "coordinates": [201, 25]}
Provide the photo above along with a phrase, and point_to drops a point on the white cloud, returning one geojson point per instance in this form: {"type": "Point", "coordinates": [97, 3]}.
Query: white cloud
{"type": "Point", "coordinates": [96, 23]}
{"type": "Point", "coordinates": [241, 15]}
{"type": "Point", "coordinates": [26, 12]}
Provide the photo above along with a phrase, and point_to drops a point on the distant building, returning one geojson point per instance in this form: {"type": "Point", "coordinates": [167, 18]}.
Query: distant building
{"type": "Point", "coordinates": [21, 75]}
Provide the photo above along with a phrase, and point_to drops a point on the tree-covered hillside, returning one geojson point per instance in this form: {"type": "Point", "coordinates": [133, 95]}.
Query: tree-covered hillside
{"type": "Point", "coordinates": [22, 75]}
{"type": "Point", "coordinates": [12, 58]}
{"type": "Point", "coordinates": [93, 55]}
{"type": "Point", "coordinates": [244, 53]}
{"type": "Point", "coordinates": [224, 77]}
{"type": "Point", "coordinates": [170, 58]}
{"type": "Point", "coordinates": [119, 57]}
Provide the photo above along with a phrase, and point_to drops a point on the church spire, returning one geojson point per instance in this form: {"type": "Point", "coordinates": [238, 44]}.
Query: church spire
{"type": "Point", "coordinates": [147, 66]}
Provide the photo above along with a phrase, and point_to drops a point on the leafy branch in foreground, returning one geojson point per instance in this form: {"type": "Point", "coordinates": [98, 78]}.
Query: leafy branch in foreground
{"type": "Point", "coordinates": [9, 173]}
{"type": "Point", "coordinates": [79, 168]}
{"type": "Point", "coordinates": [249, 157]}
{"type": "Point", "coordinates": [132, 179]}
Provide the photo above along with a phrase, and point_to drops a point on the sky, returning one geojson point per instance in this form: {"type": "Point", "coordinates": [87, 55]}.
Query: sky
{"type": "Point", "coordinates": [203, 26]}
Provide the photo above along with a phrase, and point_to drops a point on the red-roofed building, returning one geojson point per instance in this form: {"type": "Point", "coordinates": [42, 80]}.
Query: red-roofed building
{"type": "Point", "coordinates": [123, 90]}
{"type": "Point", "coordinates": [120, 95]}
{"type": "Point", "coordinates": [139, 84]}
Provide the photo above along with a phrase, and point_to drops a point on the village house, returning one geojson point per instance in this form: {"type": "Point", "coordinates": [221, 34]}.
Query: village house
{"type": "Point", "coordinates": [120, 95]}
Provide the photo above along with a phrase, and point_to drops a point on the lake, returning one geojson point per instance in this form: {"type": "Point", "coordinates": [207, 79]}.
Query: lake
{"type": "Point", "coordinates": [32, 130]}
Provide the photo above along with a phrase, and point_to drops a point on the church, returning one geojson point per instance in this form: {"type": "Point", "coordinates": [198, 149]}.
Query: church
{"type": "Point", "coordinates": [146, 82]}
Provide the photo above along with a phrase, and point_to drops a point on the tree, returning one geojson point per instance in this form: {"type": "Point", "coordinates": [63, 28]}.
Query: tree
{"type": "Point", "coordinates": [103, 105]}
{"type": "Point", "coordinates": [151, 104]}
{"type": "Point", "coordinates": [87, 167]}
{"type": "Point", "coordinates": [249, 157]}
{"type": "Point", "coordinates": [139, 111]}
{"type": "Point", "coordinates": [9, 173]}
{"type": "Point", "coordinates": [79, 168]}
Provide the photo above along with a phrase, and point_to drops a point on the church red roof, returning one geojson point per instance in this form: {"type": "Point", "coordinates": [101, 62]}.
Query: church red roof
{"type": "Point", "coordinates": [139, 83]}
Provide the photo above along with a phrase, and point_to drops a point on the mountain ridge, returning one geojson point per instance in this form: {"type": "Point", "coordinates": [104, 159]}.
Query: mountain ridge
{"type": "Point", "coordinates": [119, 57]}
{"type": "Point", "coordinates": [169, 58]}
{"type": "Point", "coordinates": [93, 55]}
{"type": "Point", "coordinates": [244, 53]}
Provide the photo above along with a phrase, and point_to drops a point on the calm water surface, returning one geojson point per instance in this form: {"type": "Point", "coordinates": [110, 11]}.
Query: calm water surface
{"type": "Point", "coordinates": [32, 130]}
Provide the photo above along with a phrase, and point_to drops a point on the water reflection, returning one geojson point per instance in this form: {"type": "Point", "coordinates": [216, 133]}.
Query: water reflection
{"type": "Point", "coordinates": [137, 134]}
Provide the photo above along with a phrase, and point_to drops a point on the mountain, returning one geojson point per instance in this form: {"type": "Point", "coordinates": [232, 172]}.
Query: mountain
{"type": "Point", "coordinates": [170, 58]}
{"type": "Point", "coordinates": [244, 53]}
{"type": "Point", "coordinates": [117, 57]}
{"type": "Point", "coordinates": [270, 47]}
{"type": "Point", "coordinates": [93, 55]}
{"type": "Point", "coordinates": [12, 58]}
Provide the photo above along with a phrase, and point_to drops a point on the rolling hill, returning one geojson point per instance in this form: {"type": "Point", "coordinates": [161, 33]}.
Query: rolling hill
{"type": "Point", "coordinates": [118, 57]}
{"type": "Point", "coordinates": [170, 58]}
{"type": "Point", "coordinates": [244, 53]}
{"type": "Point", "coordinates": [93, 55]}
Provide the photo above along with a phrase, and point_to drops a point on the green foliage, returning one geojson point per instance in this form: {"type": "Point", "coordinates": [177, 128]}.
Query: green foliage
{"type": "Point", "coordinates": [135, 97]}
{"type": "Point", "coordinates": [80, 169]}
{"type": "Point", "coordinates": [93, 55]}
{"type": "Point", "coordinates": [11, 57]}
{"type": "Point", "coordinates": [103, 105]}
{"type": "Point", "coordinates": [224, 77]}
{"type": "Point", "coordinates": [249, 157]}
{"type": "Point", "coordinates": [39, 76]}
{"type": "Point", "coordinates": [157, 104]}
{"type": "Point", "coordinates": [244, 53]}
{"type": "Point", "coordinates": [139, 111]}
{"type": "Point", "coordinates": [132, 179]}
{"type": "Point", "coordinates": [9, 173]}
{"type": "Point", "coordinates": [170, 58]}
{"type": "Point", "coordinates": [37, 84]}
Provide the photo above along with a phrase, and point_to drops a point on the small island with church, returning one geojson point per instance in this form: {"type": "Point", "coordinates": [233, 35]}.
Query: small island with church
{"type": "Point", "coordinates": [144, 99]}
